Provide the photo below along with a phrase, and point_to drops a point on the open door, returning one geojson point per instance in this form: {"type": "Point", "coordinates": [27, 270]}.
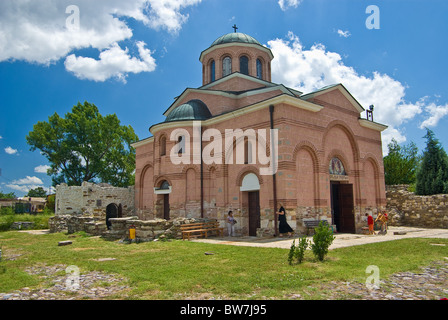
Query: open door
{"type": "Point", "coordinates": [254, 212]}
{"type": "Point", "coordinates": [343, 207]}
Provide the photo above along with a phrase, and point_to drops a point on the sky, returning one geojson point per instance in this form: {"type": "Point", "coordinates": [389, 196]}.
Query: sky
{"type": "Point", "coordinates": [133, 57]}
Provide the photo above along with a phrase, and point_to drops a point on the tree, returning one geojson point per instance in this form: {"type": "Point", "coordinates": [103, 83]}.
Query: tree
{"type": "Point", "coordinates": [401, 163]}
{"type": "Point", "coordinates": [432, 177]}
{"type": "Point", "coordinates": [39, 192]}
{"type": "Point", "coordinates": [7, 195]}
{"type": "Point", "coordinates": [86, 146]}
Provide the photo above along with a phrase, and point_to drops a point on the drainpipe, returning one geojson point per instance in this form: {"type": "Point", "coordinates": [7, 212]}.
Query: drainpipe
{"type": "Point", "coordinates": [202, 181]}
{"type": "Point", "coordinates": [274, 181]}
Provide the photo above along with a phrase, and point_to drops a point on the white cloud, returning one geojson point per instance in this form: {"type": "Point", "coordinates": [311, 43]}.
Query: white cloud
{"type": "Point", "coordinates": [286, 4]}
{"type": "Point", "coordinates": [344, 34]}
{"type": "Point", "coordinates": [1, 137]}
{"type": "Point", "coordinates": [41, 169]}
{"type": "Point", "coordinates": [28, 181]}
{"type": "Point", "coordinates": [10, 150]}
{"type": "Point", "coordinates": [36, 31]}
{"type": "Point", "coordinates": [25, 184]}
{"type": "Point", "coordinates": [113, 63]}
{"type": "Point", "coordinates": [166, 13]}
{"type": "Point", "coordinates": [435, 114]}
{"type": "Point", "coordinates": [310, 69]}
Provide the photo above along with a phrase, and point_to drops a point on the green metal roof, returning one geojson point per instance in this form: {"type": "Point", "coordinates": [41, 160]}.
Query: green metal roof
{"type": "Point", "coordinates": [192, 110]}
{"type": "Point", "coordinates": [235, 37]}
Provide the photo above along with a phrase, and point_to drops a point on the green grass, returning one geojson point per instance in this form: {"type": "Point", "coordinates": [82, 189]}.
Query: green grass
{"type": "Point", "coordinates": [8, 217]}
{"type": "Point", "coordinates": [180, 269]}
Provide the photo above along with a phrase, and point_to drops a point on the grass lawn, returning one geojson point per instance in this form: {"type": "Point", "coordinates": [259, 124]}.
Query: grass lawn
{"type": "Point", "coordinates": [181, 269]}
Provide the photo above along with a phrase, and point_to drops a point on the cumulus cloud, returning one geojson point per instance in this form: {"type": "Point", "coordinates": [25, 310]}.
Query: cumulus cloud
{"type": "Point", "coordinates": [344, 34]}
{"type": "Point", "coordinates": [25, 184]}
{"type": "Point", "coordinates": [10, 150]}
{"type": "Point", "coordinates": [286, 4]}
{"type": "Point", "coordinates": [40, 31]}
{"type": "Point", "coordinates": [310, 69]}
{"type": "Point", "coordinates": [41, 169]}
{"type": "Point", "coordinates": [113, 63]}
{"type": "Point", "coordinates": [435, 113]}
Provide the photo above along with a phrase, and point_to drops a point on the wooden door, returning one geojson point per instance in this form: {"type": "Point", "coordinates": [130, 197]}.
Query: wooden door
{"type": "Point", "coordinates": [254, 212]}
{"type": "Point", "coordinates": [347, 214]}
{"type": "Point", "coordinates": [166, 206]}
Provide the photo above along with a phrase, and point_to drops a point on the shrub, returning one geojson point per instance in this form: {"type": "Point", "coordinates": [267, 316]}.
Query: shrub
{"type": "Point", "coordinates": [298, 251]}
{"type": "Point", "coordinates": [301, 248]}
{"type": "Point", "coordinates": [292, 252]}
{"type": "Point", "coordinates": [322, 239]}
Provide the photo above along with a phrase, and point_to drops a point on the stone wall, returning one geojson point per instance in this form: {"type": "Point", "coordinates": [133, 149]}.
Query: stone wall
{"type": "Point", "coordinates": [145, 230]}
{"type": "Point", "coordinates": [92, 199]}
{"type": "Point", "coordinates": [407, 209]}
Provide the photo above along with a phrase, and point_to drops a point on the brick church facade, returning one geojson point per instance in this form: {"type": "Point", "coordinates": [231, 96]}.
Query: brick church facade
{"type": "Point", "coordinates": [326, 161]}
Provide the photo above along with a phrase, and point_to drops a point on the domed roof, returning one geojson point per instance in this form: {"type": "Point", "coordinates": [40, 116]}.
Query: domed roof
{"type": "Point", "coordinates": [235, 37]}
{"type": "Point", "coordinates": [192, 110]}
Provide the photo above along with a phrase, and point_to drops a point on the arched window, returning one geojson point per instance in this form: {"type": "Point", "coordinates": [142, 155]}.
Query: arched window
{"type": "Point", "coordinates": [226, 66]}
{"type": "Point", "coordinates": [181, 144]}
{"type": "Point", "coordinates": [162, 146]}
{"type": "Point", "coordinates": [212, 71]}
{"type": "Point", "coordinates": [244, 65]}
{"type": "Point", "coordinates": [259, 69]}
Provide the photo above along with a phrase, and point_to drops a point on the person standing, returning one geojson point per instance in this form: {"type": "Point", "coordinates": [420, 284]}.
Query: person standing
{"type": "Point", "coordinates": [370, 223]}
{"type": "Point", "coordinates": [283, 224]}
{"type": "Point", "coordinates": [231, 224]}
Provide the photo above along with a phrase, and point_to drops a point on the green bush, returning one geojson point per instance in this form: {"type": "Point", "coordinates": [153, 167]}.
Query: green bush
{"type": "Point", "coordinates": [301, 248]}
{"type": "Point", "coordinates": [298, 251]}
{"type": "Point", "coordinates": [322, 239]}
{"type": "Point", "coordinates": [7, 219]}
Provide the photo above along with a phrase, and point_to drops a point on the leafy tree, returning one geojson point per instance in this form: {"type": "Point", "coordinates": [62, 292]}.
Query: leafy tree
{"type": "Point", "coordinates": [432, 177]}
{"type": "Point", "coordinates": [7, 195]}
{"type": "Point", "coordinates": [401, 163]}
{"type": "Point", "coordinates": [38, 192]}
{"type": "Point", "coordinates": [86, 146]}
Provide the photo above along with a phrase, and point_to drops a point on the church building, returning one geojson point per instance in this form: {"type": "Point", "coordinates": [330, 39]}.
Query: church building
{"type": "Point", "coordinates": [243, 143]}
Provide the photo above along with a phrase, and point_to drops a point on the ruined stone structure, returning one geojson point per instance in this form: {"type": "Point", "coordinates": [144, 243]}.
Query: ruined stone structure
{"type": "Point", "coordinates": [328, 163]}
{"type": "Point", "coordinates": [100, 201]}
{"type": "Point", "coordinates": [407, 209]}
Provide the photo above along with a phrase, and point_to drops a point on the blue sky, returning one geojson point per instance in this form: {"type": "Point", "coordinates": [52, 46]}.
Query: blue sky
{"type": "Point", "coordinates": [133, 57]}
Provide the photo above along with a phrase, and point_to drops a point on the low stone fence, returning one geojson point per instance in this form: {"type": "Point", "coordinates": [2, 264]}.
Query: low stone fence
{"type": "Point", "coordinates": [407, 209]}
{"type": "Point", "coordinates": [144, 230]}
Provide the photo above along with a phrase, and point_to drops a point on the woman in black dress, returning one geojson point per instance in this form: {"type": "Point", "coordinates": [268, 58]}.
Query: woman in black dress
{"type": "Point", "coordinates": [283, 224]}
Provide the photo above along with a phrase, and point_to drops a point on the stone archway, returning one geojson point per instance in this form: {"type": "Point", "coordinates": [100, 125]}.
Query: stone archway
{"type": "Point", "coordinates": [111, 212]}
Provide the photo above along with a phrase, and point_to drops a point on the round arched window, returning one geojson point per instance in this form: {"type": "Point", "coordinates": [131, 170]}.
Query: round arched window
{"type": "Point", "coordinates": [244, 65]}
{"type": "Point", "coordinates": [226, 66]}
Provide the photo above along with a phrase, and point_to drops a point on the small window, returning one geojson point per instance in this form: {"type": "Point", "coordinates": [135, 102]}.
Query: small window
{"type": "Point", "coordinates": [98, 203]}
{"type": "Point", "coordinates": [181, 144]}
{"type": "Point", "coordinates": [162, 146]}
{"type": "Point", "coordinates": [165, 185]}
{"type": "Point", "coordinates": [247, 152]}
{"type": "Point", "coordinates": [259, 69]}
{"type": "Point", "coordinates": [226, 66]}
{"type": "Point", "coordinates": [212, 71]}
{"type": "Point", "coordinates": [244, 65]}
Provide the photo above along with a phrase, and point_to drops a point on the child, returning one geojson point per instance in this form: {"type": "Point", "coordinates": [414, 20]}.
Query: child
{"type": "Point", "coordinates": [370, 223]}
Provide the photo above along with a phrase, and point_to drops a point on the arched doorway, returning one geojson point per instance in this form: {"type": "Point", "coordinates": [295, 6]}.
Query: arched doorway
{"type": "Point", "coordinates": [341, 194]}
{"type": "Point", "coordinates": [111, 212]}
{"type": "Point", "coordinates": [164, 191]}
{"type": "Point", "coordinates": [251, 185]}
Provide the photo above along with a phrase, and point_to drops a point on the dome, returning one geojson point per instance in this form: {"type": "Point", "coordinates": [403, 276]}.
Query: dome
{"type": "Point", "coordinates": [192, 110]}
{"type": "Point", "coordinates": [235, 37]}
